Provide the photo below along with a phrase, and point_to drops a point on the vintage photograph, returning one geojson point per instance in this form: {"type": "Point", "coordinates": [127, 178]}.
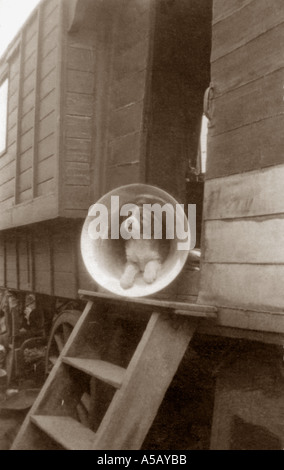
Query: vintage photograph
{"type": "Point", "coordinates": [142, 226]}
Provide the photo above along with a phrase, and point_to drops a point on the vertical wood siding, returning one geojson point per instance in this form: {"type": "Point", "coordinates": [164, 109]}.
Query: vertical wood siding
{"type": "Point", "coordinates": [124, 153]}
{"type": "Point", "coordinates": [45, 165]}
{"type": "Point", "coordinates": [80, 72]}
{"type": "Point", "coordinates": [28, 167]}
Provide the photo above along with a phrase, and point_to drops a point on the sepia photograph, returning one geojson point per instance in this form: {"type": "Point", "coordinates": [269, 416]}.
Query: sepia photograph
{"type": "Point", "coordinates": [142, 227]}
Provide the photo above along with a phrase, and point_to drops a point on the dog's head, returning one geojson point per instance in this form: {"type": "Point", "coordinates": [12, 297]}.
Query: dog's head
{"type": "Point", "coordinates": [139, 222]}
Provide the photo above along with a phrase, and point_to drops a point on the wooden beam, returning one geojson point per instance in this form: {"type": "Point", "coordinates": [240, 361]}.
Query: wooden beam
{"type": "Point", "coordinates": [37, 103]}
{"type": "Point", "coordinates": [183, 308]}
{"type": "Point", "coordinates": [77, 11]}
{"type": "Point", "coordinates": [256, 241]}
{"type": "Point", "coordinates": [40, 209]}
{"type": "Point", "coordinates": [212, 329]}
{"type": "Point", "coordinates": [249, 104]}
{"type": "Point", "coordinates": [27, 255]}
{"type": "Point", "coordinates": [17, 260]}
{"type": "Point", "coordinates": [13, 48]}
{"type": "Point", "coordinates": [60, 104]}
{"type": "Point", "coordinates": [248, 61]}
{"type": "Point", "coordinates": [5, 260]}
{"type": "Point", "coordinates": [104, 41]}
{"type": "Point", "coordinates": [74, 241]}
{"type": "Point", "coordinates": [135, 404]}
{"type": "Point", "coordinates": [250, 194]}
{"type": "Point", "coordinates": [26, 438]}
{"type": "Point", "coordinates": [246, 148]}
{"type": "Point", "coordinates": [261, 16]}
{"type": "Point", "coordinates": [2, 275]}
{"type": "Point", "coordinates": [223, 9]}
{"type": "Point", "coordinates": [19, 116]}
{"type": "Point", "coordinates": [148, 104]}
{"type": "Point", "coordinates": [32, 259]}
{"type": "Point", "coordinates": [51, 260]}
{"type": "Point", "coordinates": [6, 75]}
{"type": "Point", "coordinates": [254, 287]}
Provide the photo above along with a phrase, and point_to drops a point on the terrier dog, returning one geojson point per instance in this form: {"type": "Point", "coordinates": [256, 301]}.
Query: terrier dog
{"type": "Point", "coordinates": [142, 255]}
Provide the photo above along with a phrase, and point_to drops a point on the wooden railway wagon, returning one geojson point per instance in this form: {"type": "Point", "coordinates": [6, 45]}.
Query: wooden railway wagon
{"type": "Point", "coordinates": [89, 109]}
{"type": "Point", "coordinates": [102, 94]}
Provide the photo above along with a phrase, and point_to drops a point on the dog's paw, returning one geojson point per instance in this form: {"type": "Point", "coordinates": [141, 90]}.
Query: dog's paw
{"type": "Point", "coordinates": [150, 277]}
{"type": "Point", "coordinates": [151, 272]}
{"type": "Point", "coordinates": [126, 283]}
{"type": "Point", "coordinates": [128, 276]}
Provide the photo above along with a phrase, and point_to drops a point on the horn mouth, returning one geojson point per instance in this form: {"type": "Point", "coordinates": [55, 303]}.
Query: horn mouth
{"type": "Point", "coordinates": [105, 258]}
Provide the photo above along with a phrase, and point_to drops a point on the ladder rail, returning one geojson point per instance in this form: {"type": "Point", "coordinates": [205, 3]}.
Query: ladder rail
{"type": "Point", "coordinates": [138, 390]}
{"type": "Point", "coordinates": [51, 377]}
{"type": "Point", "coordinates": [148, 376]}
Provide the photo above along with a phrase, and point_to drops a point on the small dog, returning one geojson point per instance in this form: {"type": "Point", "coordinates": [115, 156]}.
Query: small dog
{"type": "Point", "coordinates": [142, 255]}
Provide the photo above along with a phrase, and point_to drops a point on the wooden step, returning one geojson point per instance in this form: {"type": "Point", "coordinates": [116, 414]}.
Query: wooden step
{"type": "Point", "coordinates": [66, 431]}
{"type": "Point", "coordinates": [149, 374]}
{"type": "Point", "coordinates": [105, 371]}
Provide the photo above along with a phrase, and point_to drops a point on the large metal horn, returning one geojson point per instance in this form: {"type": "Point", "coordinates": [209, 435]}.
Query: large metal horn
{"type": "Point", "coordinates": [104, 248]}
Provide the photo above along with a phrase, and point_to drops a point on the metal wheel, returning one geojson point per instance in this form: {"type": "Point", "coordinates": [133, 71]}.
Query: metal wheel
{"type": "Point", "coordinates": [60, 332]}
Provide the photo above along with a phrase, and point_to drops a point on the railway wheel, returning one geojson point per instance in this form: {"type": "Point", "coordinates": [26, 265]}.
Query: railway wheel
{"type": "Point", "coordinates": [60, 332]}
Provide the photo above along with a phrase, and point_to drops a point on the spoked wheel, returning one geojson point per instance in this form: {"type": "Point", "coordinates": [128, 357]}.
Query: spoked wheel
{"type": "Point", "coordinates": [60, 332]}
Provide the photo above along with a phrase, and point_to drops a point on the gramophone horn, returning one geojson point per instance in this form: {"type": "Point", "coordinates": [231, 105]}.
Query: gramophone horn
{"type": "Point", "coordinates": [103, 248]}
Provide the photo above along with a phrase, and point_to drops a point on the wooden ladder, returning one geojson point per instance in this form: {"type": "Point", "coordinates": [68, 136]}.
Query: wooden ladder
{"type": "Point", "coordinates": [52, 422]}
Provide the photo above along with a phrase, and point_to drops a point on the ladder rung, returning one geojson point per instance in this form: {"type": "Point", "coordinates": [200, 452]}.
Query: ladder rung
{"type": "Point", "coordinates": [66, 431]}
{"type": "Point", "coordinates": [105, 371]}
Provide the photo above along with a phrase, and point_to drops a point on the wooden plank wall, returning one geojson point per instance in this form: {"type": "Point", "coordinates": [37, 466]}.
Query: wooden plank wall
{"type": "Point", "coordinates": [2, 261]}
{"type": "Point", "coordinates": [129, 64]}
{"type": "Point", "coordinates": [44, 258]}
{"type": "Point", "coordinates": [26, 112]}
{"type": "Point", "coordinates": [64, 262]}
{"type": "Point", "coordinates": [80, 72]}
{"type": "Point", "coordinates": [243, 257]}
{"type": "Point", "coordinates": [42, 267]}
{"type": "Point", "coordinates": [11, 261]}
{"type": "Point", "coordinates": [7, 160]}
{"type": "Point", "coordinates": [37, 165]}
{"type": "Point", "coordinates": [247, 75]}
{"type": "Point", "coordinates": [24, 260]}
{"type": "Point", "coordinates": [28, 167]}
{"type": "Point", "coordinates": [46, 164]}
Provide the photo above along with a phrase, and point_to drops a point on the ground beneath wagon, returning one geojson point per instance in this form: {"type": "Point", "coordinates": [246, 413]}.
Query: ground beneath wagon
{"type": "Point", "coordinates": [14, 405]}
